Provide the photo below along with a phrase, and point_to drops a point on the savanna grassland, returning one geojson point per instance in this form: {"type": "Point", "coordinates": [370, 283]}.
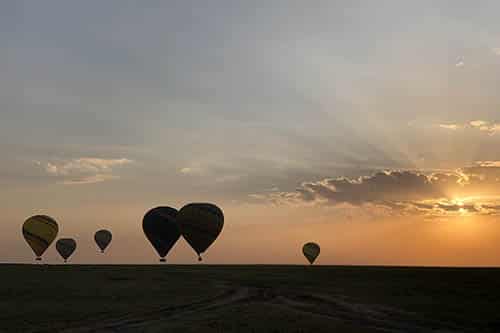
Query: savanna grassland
{"type": "Point", "coordinates": [204, 298]}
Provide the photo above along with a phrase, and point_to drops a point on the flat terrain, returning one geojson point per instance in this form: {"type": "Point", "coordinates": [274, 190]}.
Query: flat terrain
{"type": "Point", "coordinates": [202, 298]}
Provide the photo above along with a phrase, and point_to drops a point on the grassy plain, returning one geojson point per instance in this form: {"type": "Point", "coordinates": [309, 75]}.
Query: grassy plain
{"type": "Point", "coordinates": [205, 298]}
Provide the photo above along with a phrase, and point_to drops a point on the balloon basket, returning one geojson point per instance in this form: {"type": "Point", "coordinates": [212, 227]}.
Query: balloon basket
{"type": "Point", "coordinates": [38, 259]}
{"type": "Point", "coordinates": [163, 260]}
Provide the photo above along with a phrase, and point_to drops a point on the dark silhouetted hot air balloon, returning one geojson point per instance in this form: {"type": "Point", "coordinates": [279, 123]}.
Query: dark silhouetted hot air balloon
{"type": "Point", "coordinates": [311, 251]}
{"type": "Point", "coordinates": [200, 225]}
{"type": "Point", "coordinates": [102, 239]}
{"type": "Point", "coordinates": [39, 232]}
{"type": "Point", "coordinates": [66, 247]}
{"type": "Point", "coordinates": [160, 228]}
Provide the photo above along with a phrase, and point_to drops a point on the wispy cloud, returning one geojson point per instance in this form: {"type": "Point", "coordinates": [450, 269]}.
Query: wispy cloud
{"type": "Point", "coordinates": [193, 170]}
{"type": "Point", "coordinates": [490, 128]}
{"type": "Point", "coordinates": [485, 126]}
{"type": "Point", "coordinates": [478, 123]}
{"type": "Point", "coordinates": [489, 164]}
{"type": "Point", "coordinates": [90, 179]}
{"type": "Point", "coordinates": [452, 127]}
{"type": "Point", "coordinates": [83, 170]}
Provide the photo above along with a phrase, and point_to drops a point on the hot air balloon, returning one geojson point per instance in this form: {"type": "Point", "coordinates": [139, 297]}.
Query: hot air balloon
{"type": "Point", "coordinates": [39, 232]}
{"type": "Point", "coordinates": [160, 228]}
{"type": "Point", "coordinates": [102, 239]}
{"type": "Point", "coordinates": [66, 247]}
{"type": "Point", "coordinates": [311, 251]}
{"type": "Point", "coordinates": [200, 225]}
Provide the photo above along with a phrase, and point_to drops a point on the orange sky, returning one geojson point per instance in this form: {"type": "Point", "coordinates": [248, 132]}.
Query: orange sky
{"type": "Point", "coordinates": [274, 235]}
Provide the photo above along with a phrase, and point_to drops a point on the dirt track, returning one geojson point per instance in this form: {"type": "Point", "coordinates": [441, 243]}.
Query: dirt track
{"type": "Point", "coordinates": [370, 317]}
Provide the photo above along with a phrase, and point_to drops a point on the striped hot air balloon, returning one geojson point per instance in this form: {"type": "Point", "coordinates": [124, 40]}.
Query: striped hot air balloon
{"type": "Point", "coordinates": [200, 225]}
{"type": "Point", "coordinates": [39, 232]}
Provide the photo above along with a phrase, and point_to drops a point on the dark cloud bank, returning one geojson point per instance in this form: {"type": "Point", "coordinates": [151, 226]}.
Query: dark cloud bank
{"type": "Point", "coordinates": [473, 189]}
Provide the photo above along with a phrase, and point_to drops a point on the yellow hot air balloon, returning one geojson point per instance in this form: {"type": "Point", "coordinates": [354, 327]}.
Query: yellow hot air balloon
{"type": "Point", "coordinates": [311, 251]}
{"type": "Point", "coordinates": [39, 232]}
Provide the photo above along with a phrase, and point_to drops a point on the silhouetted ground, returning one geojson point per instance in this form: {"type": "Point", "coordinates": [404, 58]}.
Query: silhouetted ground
{"type": "Point", "coordinates": [204, 298]}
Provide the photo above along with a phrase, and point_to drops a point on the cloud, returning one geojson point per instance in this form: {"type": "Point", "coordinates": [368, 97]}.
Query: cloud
{"type": "Point", "coordinates": [83, 170]}
{"type": "Point", "coordinates": [444, 207]}
{"type": "Point", "coordinates": [186, 171]}
{"type": "Point", "coordinates": [492, 129]}
{"type": "Point", "coordinates": [478, 123]}
{"type": "Point", "coordinates": [387, 186]}
{"type": "Point", "coordinates": [90, 179]}
{"type": "Point", "coordinates": [460, 63]}
{"type": "Point", "coordinates": [470, 190]}
{"type": "Point", "coordinates": [488, 164]}
{"type": "Point", "coordinates": [486, 173]}
{"type": "Point", "coordinates": [490, 209]}
{"type": "Point", "coordinates": [190, 170]}
{"type": "Point", "coordinates": [450, 126]}
{"type": "Point", "coordinates": [484, 126]}
{"type": "Point", "coordinates": [211, 173]}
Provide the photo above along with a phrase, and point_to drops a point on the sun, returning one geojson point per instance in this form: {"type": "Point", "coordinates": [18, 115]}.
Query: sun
{"type": "Point", "coordinates": [460, 202]}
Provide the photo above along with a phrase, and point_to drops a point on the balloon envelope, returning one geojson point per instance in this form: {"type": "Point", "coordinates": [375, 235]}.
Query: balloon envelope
{"type": "Point", "coordinates": [160, 228]}
{"type": "Point", "coordinates": [66, 247]}
{"type": "Point", "coordinates": [39, 232]}
{"type": "Point", "coordinates": [311, 251]}
{"type": "Point", "coordinates": [102, 239]}
{"type": "Point", "coordinates": [200, 225]}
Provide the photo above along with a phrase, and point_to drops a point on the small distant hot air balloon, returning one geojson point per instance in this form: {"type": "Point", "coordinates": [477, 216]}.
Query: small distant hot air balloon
{"type": "Point", "coordinates": [311, 251]}
{"type": "Point", "coordinates": [102, 239]}
{"type": "Point", "coordinates": [39, 232]}
{"type": "Point", "coordinates": [160, 228]}
{"type": "Point", "coordinates": [66, 247]}
{"type": "Point", "coordinates": [200, 225]}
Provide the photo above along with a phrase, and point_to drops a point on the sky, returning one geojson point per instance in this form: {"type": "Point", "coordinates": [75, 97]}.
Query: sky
{"type": "Point", "coordinates": [371, 128]}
